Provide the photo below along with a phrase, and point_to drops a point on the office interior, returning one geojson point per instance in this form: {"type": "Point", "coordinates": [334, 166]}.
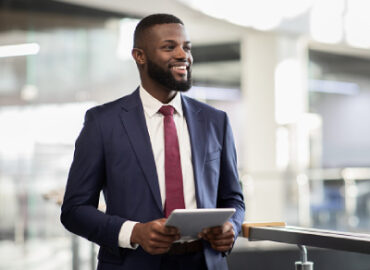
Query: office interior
{"type": "Point", "coordinates": [293, 77]}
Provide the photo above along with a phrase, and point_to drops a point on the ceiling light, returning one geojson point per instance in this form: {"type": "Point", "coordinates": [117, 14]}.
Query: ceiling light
{"type": "Point", "coordinates": [288, 91]}
{"type": "Point", "coordinates": [19, 49]}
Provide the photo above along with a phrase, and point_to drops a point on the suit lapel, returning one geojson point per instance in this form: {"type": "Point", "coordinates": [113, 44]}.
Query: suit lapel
{"type": "Point", "coordinates": [197, 131]}
{"type": "Point", "coordinates": [133, 120]}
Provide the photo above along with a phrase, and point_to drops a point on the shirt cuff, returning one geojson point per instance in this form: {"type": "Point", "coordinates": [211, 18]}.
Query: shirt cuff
{"type": "Point", "coordinates": [124, 236]}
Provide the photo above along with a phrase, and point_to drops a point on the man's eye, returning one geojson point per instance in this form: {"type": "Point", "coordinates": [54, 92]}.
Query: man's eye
{"type": "Point", "coordinates": [169, 47]}
{"type": "Point", "coordinates": [188, 49]}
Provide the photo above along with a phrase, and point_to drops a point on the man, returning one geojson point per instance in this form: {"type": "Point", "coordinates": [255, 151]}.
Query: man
{"type": "Point", "coordinates": [151, 152]}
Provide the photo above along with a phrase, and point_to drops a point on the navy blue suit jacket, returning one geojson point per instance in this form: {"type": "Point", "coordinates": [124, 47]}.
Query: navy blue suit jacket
{"type": "Point", "coordinates": [113, 153]}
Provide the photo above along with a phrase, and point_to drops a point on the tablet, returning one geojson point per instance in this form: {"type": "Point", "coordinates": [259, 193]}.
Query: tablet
{"type": "Point", "coordinates": [190, 222]}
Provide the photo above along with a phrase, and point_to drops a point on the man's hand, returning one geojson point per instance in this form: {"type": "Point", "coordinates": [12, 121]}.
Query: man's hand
{"type": "Point", "coordinates": [154, 237]}
{"type": "Point", "coordinates": [221, 238]}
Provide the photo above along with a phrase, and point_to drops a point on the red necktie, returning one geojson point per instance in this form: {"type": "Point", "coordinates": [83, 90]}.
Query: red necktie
{"type": "Point", "coordinates": [172, 164]}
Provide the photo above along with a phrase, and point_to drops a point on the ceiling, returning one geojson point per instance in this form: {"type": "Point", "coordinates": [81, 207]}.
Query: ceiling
{"type": "Point", "coordinates": [204, 30]}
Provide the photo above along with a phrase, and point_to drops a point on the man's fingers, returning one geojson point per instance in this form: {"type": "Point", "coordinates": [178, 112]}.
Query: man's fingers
{"type": "Point", "coordinates": [155, 243]}
{"type": "Point", "coordinates": [223, 242]}
{"type": "Point", "coordinates": [219, 229]}
{"type": "Point", "coordinates": [160, 227]}
{"type": "Point", "coordinates": [221, 238]}
{"type": "Point", "coordinates": [161, 233]}
{"type": "Point", "coordinates": [221, 248]}
{"type": "Point", "coordinates": [154, 237]}
{"type": "Point", "coordinates": [163, 238]}
{"type": "Point", "coordinates": [215, 230]}
{"type": "Point", "coordinates": [227, 235]}
{"type": "Point", "coordinates": [158, 244]}
{"type": "Point", "coordinates": [170, 230]}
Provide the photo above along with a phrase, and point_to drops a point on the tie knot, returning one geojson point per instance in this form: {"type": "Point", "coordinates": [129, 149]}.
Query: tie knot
{"type": "Point", "coordinates": [167, 110]}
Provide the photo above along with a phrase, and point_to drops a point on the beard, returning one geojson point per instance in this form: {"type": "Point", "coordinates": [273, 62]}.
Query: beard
{"type": "Point", "coordinates": [166, 78]}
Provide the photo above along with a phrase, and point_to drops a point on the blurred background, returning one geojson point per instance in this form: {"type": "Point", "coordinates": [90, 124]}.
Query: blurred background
{"type": "Point", "coordinates": [293, 75]}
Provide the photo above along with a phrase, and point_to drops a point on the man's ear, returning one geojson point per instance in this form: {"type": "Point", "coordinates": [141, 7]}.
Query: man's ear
{"type": "Point", "coordinates": [138, 55]}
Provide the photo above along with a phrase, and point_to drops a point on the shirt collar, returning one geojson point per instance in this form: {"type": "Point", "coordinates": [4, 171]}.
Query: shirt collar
{"type": "Point", "coordinates": [152, 105]}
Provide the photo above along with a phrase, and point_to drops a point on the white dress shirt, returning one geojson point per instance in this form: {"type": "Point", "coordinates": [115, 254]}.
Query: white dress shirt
{"type": "Point", "coordinates": [154, 123]}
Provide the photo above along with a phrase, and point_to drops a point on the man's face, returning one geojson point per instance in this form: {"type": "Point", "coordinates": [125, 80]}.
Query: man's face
{"type": "Point", "coordinates": [169, 56]}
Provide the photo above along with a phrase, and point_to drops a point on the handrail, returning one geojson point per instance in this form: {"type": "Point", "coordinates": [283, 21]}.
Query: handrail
{"type": "Point", "coordinates": [353, 242]}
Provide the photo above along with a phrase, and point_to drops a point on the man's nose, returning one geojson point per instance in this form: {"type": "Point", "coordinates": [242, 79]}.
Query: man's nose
{"type": "Point", "coordinates": [181, 53]}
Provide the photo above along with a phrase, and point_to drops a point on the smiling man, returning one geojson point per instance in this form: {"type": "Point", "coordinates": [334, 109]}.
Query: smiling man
{"type": "Point", "coordinates": [152, 152]}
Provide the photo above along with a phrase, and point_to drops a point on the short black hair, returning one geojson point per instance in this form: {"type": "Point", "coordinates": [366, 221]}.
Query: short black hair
{"type": "Point", "coordinates": [151, 20]}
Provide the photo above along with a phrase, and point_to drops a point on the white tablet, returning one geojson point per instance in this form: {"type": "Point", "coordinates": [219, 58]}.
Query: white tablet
{"type": "Point", "coordinates": [190, 222]}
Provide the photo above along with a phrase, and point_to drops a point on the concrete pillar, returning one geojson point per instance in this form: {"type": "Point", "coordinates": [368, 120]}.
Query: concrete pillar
{"type": "Point", "coordinates": [264, 162]}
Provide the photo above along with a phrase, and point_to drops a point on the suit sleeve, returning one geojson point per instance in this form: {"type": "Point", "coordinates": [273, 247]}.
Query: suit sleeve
{"type": "Point", "coordinates": [229, 192]}
{"type": "Point", "coordinates": [86, 179]}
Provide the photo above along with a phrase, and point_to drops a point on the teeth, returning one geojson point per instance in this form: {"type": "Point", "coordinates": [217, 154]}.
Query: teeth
{"type": "Point", "coordinates": [180, 67]}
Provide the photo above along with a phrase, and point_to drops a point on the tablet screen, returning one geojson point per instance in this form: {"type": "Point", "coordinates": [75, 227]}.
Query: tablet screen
{"type": "Point", "coordinates": [190, 222]}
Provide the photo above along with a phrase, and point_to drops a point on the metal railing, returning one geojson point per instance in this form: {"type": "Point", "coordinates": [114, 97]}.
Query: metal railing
{"type": "Point", "coordinates": [352, 242]}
